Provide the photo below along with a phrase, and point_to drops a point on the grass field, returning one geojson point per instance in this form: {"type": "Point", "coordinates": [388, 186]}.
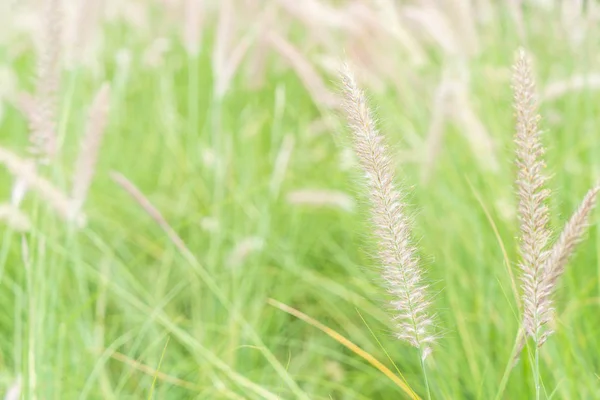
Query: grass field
{"type": "Point", "coordinates": [249, 164]}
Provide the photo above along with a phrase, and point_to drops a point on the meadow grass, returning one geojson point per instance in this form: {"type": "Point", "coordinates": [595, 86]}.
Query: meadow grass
{"type": "Point", "coordinates": [118, 310]}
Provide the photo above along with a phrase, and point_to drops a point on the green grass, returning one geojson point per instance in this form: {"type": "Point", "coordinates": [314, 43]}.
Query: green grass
{"type": "Point", "coordinates": [121, 286]}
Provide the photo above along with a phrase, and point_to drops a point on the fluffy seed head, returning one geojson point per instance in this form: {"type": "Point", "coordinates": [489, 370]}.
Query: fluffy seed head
{"type": "Point", "coordinates": [533, 211]}
{"type": "Point", "coordinates": [25, 171]}
{"type": "Point", "coordinates": [14, 218]}
{"type": "Point", "coordinates": [321, 198]}
{"type": "Point", "coordinates": [560, 253]}
{"type": "Point", "coordinates": [541, 266]}
{"type": "Point", "coordinates": [43, 119]}
{"type": "Point", "coordinates": [401, 268]}
{"type": "Point", "coordinates": [90, 146]}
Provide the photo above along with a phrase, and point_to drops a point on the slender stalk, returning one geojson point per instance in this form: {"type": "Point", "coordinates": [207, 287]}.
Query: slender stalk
{"type": "Point", "coordinates": [425, 376]}
{"type": "Point", "coordinates": [31, 328]}
{"type": "Point", "coordinates": [193, 100]}
{"type": "Point", "coordinates": [209, 280]}
{"type": "Point", "coordinates": [400, 264]}
{"type": "Point", "coordinates": [541, 264]}
{"type": "Point", "coordinates": [536, 370]}
{"type": "Point", "coordinates": [514, 356]}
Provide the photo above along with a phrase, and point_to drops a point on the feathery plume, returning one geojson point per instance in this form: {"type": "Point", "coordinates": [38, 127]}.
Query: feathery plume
{"type": "Point", "coordinates": [575, 83]}
{"type": "Point", "coordinates": [14, 392]}
{"type": "Point", "coordinates": [192, 27]}
{"type": "Point", "coordinates": [304, 69]}
{"type": "Point", "coordinates": [90, 146]}
{"type": "Point", "coordinates": [25, 103]}
{"type": "Point", "coordinates": [435, 23]}
{"type": "Point", "coordinates": [541, 266]}
{"type": "Point", "coordinates": [440, 113]}
{"type": "Point", "coordinates": [243, 249]}
{"type": "Point", "coordinates": [321, 198]}
{"type": "Point", "coordinates": [571, 234]}
{"type": "Point", "coordinates": [226, 57]}
{"type": "Point", "coordinates": [14, 218]}
{"type": "Point", "coordinates": [475, 131]}
{"type": "Point", "coordinates": [24, 170]}
{"type": "Point", "coordinates": [400, 263]}
{"type": "Point", "coordinates": [155, 54]}
{"type": "Point", "coordinates": [149, 208]}
{"type": "Point", "coordinates": [561, 252]}
{"type": "Point", "coordinates": [387, 12]}
{"type": "Point", "coordinates": [43, 122]}
{"type": "Point", "coordinates": [533, 211]}
{"type": "Point", "coordinates": [83, 31]}
{"type": "Point", "coordinates": [280, 167]}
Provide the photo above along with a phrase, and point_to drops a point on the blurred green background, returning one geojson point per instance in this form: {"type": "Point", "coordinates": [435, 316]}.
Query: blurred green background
{"type": "Point", "coordinates": [225, 115]}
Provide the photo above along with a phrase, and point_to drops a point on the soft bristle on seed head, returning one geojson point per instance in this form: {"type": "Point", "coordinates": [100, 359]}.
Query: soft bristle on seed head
{"type": "Point", "coordinates": [43, 119]}
{"type": "Point", "coordinates": [559, 255]}
{"type": "Point", "coordinates": [541, 266]}
{"type": "Point", "coordinates": [90, 146]}
{"type": "Point", "coordinates": [532, 195]}
{"type": "Point", "coordinates": [400, 264]}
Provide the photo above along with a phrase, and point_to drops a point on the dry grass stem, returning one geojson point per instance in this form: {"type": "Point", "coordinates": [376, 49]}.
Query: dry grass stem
{"type": "Point", "coordinates": [135, 364]}
{"type": "Point", "coordinates": [349, 345]}
{"type": "Point", "coordinates": [401, 268]}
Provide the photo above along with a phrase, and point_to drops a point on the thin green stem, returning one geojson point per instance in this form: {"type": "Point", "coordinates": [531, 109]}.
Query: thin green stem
{"type": "Point", "coordinates": [193, 102]}
{"type": "Point", "coordinates": [425, 374]}
{"type": "Point", "coordinates": [521, 335]}
{"type": "Point", "coordinates": [536, 370]}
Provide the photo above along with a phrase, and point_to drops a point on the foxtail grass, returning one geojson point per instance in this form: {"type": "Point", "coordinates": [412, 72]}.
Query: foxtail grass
{"type": "Point", "coordinates": [24, 170]}
{"type": "Point", "coordinates": [541, 264]}
{"type": "Point", "coordinates": [400, 264]}
{"type": "Point", "coordinates": [43, 122]}
{"type": "Point", "coordinates": [85, 165]}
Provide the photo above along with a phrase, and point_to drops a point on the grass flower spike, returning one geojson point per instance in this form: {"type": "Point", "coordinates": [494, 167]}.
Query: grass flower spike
{"type": "Point", "coordinates": [533, 196]}
{"type": "Point", "coordinates": [44, 118]}
{"type": "Point", "coordinates": [541, 264]}
{"type": "Point", "coordinates": [400, 263]}
{"type": "Point", "coordinates": [561, 252]}
{"type": "Point", "coordinates": [85, 165]}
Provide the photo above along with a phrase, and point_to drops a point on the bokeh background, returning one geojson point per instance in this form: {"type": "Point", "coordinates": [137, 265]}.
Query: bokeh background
{"type": "Point", "coordinates": [226, 116]}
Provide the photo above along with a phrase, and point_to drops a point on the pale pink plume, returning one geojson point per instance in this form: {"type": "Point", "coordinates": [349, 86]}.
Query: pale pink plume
{"type": "Point", "coordinates": [541, 266]}
{"type": "Point", "coordinates": [85, 165]}
{"type": "Point", "coordinates": [532, 194]}
{"type": "Point", "coordinates": [25, 170]}
{"type": "Point", "coordinates": [401, 267]}
{"type": "Point", "coordinates": [44, 118]}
